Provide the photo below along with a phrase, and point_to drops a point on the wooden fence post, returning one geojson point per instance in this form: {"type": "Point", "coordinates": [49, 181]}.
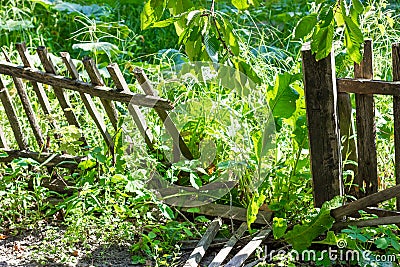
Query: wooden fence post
{"type": "Point", "coordinates": [396, 115]}
{"type": "Point", "coordinates": [323, 125]}
{"type": "Point", "coordinates": [366, 130]}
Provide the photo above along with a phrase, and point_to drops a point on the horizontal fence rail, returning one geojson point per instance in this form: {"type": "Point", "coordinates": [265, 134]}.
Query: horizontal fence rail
{"type": "Point", "coordinates": [103, 92]}
{"type": "Point", "coordinates": [368, 86]}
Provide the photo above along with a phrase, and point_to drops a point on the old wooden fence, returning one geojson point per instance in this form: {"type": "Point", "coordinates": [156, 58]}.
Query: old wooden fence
{"type": "Point", "coordinates": [108, 96]}
{"type": "Point", "coordinates": [87, 90]}
{"type": "Point", "coordinates": [329, 119]}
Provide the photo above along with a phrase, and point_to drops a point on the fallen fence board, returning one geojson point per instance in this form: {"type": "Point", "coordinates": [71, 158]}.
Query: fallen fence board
{"type": "Point", "coordinates": [247, 250]}
{"type": "Point", "coordinates": [204, 243]}
{"type": "Point", "coordinates": [224, 252]}
{"type": "Point", "coordinates": [231, 212]}
{"type": "Point", "coordinates": [366, 201]}
{"type": "Point", "coordinates": [370, 222]}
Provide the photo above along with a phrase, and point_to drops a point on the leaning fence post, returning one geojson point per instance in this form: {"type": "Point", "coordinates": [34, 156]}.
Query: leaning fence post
{"type": "Point", "coordinates": [396, 115]}
{"type": "Point", "coordinates": [323, 125]}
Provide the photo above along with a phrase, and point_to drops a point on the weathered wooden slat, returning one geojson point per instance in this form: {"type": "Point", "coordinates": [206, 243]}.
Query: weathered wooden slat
{"type": "Point", "coordinates": [369, 87]}
{"type": "Point", "coordinates": [366, 223]}
{"type": "Point", "coordinates": [79, 86]}
{"type": "Point", "coordinates": [367, 201]}
{"type": "Point", "coordinates": [3, 141]}
{"type": "Point", "coordinates": [59, 92]}
{"type": "Point", "coordinates": [201, 248]}
{"type": "Point", "coordinates": [88, 102]}
{"type": "Point", "coordinates": [349, 150]}
{"type": "Point", "coordinates": [231, 212]}
{"type": "Point", "coordinates": [12, 117]}
{"type": "Point", "coordinates": [135, 112]}
{"type": "Point", "coordinates": [168, 123]}
{"type": "Point", "coordinates": [96, 79]}
{"type": "Point", "coordinates": [224, 252]}
{"type": "Point", "coordinates": [396, 115]}
{"type": "Point", "coordinates": [50, 160]}
{"type": "Point", "coordinates": [322, 115]}
{"type": "Point", "coordinates": [37, 87]}
{"type": "Point", "coordinates": [247, 250]}
{"type": "Point", "coordinates": [366, 130]}
{"type": "Point", "coordinates": [27, 106]}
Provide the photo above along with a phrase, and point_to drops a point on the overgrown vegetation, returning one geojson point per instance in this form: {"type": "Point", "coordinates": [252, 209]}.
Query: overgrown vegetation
{"type": "Point", "coordinates": [107, 198]}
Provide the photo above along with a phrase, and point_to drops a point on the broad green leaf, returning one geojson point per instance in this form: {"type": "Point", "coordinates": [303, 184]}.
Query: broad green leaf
{"type": "Point", "coordinates": [339, 15]}
{"type": "Point", "coordinates": [305, 26]}
{"type": "Point", "coordinates": [193, 49]}
{"type": "Point", "coordinates": [152, 235]}
{"type": "Point", "coordinates": [195, 181]}
{"type": "Point", "coordinates": [152, 12]}
{"type": "Point", "coordinates": [329, 18]}
{"type": "Point", "coordinates": [395, 244]}
{"type": "Point", "coordinates": [300, 132]}
{"type": "Point", "coordinates": [244, 67]}
{"type": "Point", "coordinates": [167, 22]}
{"type": "Point", "coordinates": [192, 15]}
{"type": "Point", "coordinates": [212, 47]}
{"type": "Point", "coordinates": [227, 34]}
{"type": "Point", "coordinates": [194, 210]}
{"type": "Point", "coordinates": [358, 6]}
{"type": "Point", "coordinates": [88, 10]}
{"type": "Point", "coordinates": [302, 235]}
{"type": "Point", "coordinates": [381, 243]}
{"type": "Point", "coordinates": [240, 4]}
{"type": "Point", "coordinates": [178, 7]}
{"type": "Point", "coordinates": [262, 141]}
{"type": "Point", "coordinates": [322, 41]}
{"type": "Point", "coordinates": [166, 211]}
{"type": "Point", "coordinates": [86, 164]}
{"type": "Point", "coordinates": [253, 207]}
{"type": "Point", "coordinates": [282, 97]}
{"type": "Point", "coordinates": [23, 162]}
{"type": "Point", "coordinates": [3, 154]}
{"type": "Point", "coordinates": [230, 38]}
{"type": "Point", "coordinates": [118, 178]}
{"type": "Point", "coordinates": [279, 227]}
{"type": "Point", "coordinates": [353, 39]}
